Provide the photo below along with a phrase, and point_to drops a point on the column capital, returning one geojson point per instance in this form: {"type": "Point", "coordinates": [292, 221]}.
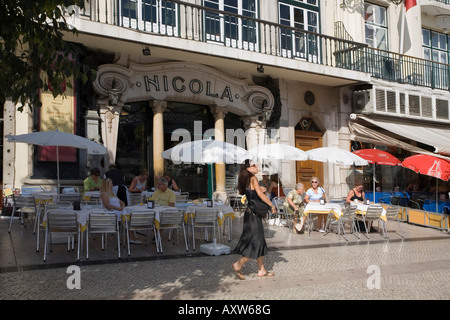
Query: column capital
{"type": "Point", "coordinates": [158, 106]}
{"type": "Point", "coordinates": [253, 122]}
{"type": "Point", "coordinates": [219, 112]}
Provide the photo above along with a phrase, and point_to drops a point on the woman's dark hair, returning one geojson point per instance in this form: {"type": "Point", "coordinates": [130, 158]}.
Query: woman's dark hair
{"type": "Point", "coordinates": [244, 177]}
{"type": "Point", "coordinates": [95, 171]}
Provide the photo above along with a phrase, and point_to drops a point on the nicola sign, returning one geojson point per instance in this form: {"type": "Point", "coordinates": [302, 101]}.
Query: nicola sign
{"type": "Point", "coordinates": [185, 82]}
{"type": "Point", "coordinates": [181, 85]}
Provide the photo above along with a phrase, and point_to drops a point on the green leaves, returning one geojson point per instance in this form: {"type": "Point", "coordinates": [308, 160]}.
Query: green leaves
{"type": "Point", "coordinates": [31, 44]}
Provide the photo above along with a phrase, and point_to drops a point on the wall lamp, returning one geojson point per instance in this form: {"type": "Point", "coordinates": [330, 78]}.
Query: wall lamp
{"type": "Point", "coordinates": [114, 94]}
{"type": "Point", "coordinates": [396, 2]}
{"type": "Point", "coordinates": [260, 69]}
{"type": "Point", "coordinates": [146, 51]}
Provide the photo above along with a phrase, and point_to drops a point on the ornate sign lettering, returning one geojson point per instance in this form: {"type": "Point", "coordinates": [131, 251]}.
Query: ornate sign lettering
{"type": "Point", "coordinates": [179, 81]}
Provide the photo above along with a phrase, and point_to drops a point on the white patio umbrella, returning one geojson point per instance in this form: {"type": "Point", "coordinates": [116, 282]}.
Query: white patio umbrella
{"type": "Point", "coordinates": [336, 156]}
{"type": "Point", "coordinates": [206, 152]}
{"type": "Point", "coordinates": [278, 151]}
{"type": "Point", "coordinates": [58, 139]}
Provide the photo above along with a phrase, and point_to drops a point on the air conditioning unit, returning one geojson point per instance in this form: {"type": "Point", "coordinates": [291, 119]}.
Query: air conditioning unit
{"type": "Point", "coordinates": [363, 101]}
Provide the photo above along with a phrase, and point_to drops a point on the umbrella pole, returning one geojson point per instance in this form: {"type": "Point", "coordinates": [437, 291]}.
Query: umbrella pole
{"type": "Point", "coordinates": [437, 196]}
{"type": "Point", "coordinates": [57, 167]}
{"type": "Point", "coordinates": [373, 182]}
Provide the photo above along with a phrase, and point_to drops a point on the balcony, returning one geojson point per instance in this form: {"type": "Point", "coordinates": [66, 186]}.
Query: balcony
{"type": "Point", "coordinates": [200, 24]}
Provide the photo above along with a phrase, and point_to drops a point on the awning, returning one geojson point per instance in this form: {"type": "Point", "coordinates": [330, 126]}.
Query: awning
{"type": "Point", "coordinates": [359, 132]}
{"type": "Point", "coordinates": [432, 135]}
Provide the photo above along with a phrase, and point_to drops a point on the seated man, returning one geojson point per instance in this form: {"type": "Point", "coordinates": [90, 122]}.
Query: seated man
{"type": "Point", "coordinates": [163, 196]}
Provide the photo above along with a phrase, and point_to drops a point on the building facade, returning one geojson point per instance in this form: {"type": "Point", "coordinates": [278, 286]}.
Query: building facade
{"type": "Point", "coordinates": [308, 73]}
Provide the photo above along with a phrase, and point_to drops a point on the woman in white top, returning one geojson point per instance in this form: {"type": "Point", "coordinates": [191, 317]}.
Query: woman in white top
{"type": "Point", "coordinates": [139, 182]}
{"type": "Point", "coordinates": [110, 201]}
{"type": "Point", "coordinates": [315, 194]}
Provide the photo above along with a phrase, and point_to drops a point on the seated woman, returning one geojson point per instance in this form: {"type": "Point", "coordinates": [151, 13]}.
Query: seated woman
{"type": "Point", "coordinates": [294, 205]}
{"type": "Point", "coordinates": [275, 187]}
{"type": "Point", "coordinates": [111, 202]}
{"type": "Point", "coordinates": [93, 182]}
{"type": "Point", "coordinates": [315, 194]}
{"type": "Point", "coordinates": [172, 185]}
{"type": "Point", "coordinates": [357, 193]}
{"type": "Point", "coordinates": [139, 182]}
{"type": "Point", "coordinates": [108, 198]}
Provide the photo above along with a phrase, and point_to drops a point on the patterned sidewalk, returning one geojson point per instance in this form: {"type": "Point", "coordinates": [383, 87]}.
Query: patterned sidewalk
{"type": "Point", "coordinates": [306, 267]}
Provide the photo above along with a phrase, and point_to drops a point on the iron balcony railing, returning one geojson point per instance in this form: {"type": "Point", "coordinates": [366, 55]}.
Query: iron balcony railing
{"type": "Point", "coordinates": [179, 19]}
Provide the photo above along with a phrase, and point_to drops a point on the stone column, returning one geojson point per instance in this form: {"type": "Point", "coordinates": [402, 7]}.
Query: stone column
{"type": "Point", "coordinates": [9, 148]}
{"type": "Point", "coordinates": [256, 131]}
{"type": "Point", "coordinates": [158, 107]}
{"type": "Point", "coordinates": [110, 128]}
{"type": "Point", "coordinates": [219, 129]}
{"type": "Point", "coordinates": [92, 120]}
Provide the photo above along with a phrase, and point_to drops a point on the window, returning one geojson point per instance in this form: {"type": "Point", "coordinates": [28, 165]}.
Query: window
{"type": "Point", "coordinates": [436, 48]}
{"type": "Point", "coordinates": [231, 30]}
{"type": "Point", "coordinates": [150, 15]}
{"type": "Point", "coordinates": [293, 42]}
{"type": "Point", "coordinates": [376, 26]}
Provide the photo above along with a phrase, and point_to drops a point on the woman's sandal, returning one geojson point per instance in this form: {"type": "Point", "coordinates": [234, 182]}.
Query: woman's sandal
{"type": "Point", "coordinates": [267, 274]}
{"type": "Point", "coordinates": [238, 273]}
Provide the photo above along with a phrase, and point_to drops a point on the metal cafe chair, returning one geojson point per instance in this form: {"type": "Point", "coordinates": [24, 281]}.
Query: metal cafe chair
{"type": "Point", "coordinates": [39, 226]}
{"type": "Point", "coordinates": [136, 198]}
{"type": "Point", "coordinates": [281, 211]}
{"type": "Point", "coordinates": [22, 204]}
{"type": "Point", "coordinates": [60, 221]}
{"type": "Point", "coordinates": [348, 216]}
{"type": "Point", "coordinates": [373, 213]}
{"type": "Point", "coordinates": [171, 219]}
{"type": "Point", "coordinates": [204, 218]}
{"type": "Point", "coordinates": [69, 197]}
{"type": "Point", "coordinates": [102, 223]}
{"type": "Point", "coordinates": [142, 220]}
{"type": "Point", "coordinates": [392, 213]}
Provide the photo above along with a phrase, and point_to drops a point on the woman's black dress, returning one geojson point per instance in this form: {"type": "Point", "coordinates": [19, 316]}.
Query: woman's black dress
{"type": "Point", "coordinates": [252, 243]}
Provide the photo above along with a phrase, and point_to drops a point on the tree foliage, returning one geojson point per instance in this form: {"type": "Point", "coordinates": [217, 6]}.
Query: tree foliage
{"type": "Point", "coordinates": [34, 55]}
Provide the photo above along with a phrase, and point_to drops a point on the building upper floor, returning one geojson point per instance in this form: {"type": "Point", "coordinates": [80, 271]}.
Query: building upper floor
{"type": "Point", "coordinates": [332, 43]}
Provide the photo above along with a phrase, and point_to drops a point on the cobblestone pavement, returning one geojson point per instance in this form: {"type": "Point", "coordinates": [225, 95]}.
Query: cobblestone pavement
{"type": "Point", "coordinates": [410, 269]}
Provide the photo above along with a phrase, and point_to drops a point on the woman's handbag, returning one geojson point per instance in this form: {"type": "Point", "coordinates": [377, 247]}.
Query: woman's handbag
{"type": "Point", "coordinates": [258, 207]}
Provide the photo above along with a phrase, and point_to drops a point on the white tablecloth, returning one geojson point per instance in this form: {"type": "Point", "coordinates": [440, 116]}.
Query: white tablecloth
{"type": "Point", "coordinates": [89, 194]}
{"type": "Point", "coordinates": [337, 209]}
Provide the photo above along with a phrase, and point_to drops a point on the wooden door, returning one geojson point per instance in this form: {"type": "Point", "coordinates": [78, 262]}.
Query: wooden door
{"type": "Point", "coordinates": [305, 170]}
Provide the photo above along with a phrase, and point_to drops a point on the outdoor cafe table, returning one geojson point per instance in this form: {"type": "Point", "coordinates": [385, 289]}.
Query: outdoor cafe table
{"type": "Point", "coordinates": [223, 212]}
{"type": "Point", "coordinates": [317, 208]}
{"type": "Point", "coordinates": [89, 194]}
{"type": "Point", "coordinates": [335, 209]}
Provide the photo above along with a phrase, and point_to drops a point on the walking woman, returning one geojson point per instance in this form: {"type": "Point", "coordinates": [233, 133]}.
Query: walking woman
{"type": "Point", "coordinates": [252, 244]}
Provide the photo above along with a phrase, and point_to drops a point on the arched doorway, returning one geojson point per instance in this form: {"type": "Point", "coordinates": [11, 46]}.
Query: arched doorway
{"type": "Point", "coordinates": [308, 136]}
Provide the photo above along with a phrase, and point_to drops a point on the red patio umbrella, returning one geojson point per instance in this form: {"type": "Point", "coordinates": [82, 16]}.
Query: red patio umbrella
{"type": "Point", "coordinates": [430, 166]}
{"type": "Point", "coordinates": [375, 156]}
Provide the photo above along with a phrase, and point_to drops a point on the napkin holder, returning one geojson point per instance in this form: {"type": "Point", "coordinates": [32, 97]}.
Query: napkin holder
{"type": "Point", "coordinates": [209, 203]}
{"type": "Point", "coordinates": [76, 205]}
{"type": "Point", "coordinates": [322, 201]}
{"type": "Point", "coordinates": [150, 204]}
